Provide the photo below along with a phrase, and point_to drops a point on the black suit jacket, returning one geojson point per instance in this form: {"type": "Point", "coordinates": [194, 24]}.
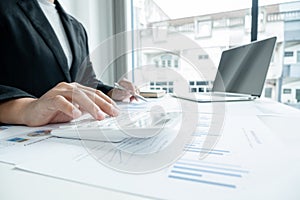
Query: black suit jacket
{"type": "Point", "coordinates": [31, 58]}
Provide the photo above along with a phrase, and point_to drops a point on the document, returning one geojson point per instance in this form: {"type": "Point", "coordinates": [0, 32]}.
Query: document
{"type": "Point", "coordinates": [247, 160]}
{"type": "Point", "coordinates": [15, 141]}
{"type": "Point", "coordinates": [246, 163]}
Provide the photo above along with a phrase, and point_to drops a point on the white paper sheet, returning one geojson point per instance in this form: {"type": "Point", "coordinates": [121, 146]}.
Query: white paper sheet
{"type": "Point", "coordinates": [15, 140]}
{"type": "Point", "coordinates": [247, 163]}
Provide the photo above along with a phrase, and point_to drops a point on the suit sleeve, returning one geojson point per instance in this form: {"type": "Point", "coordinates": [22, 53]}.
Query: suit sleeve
{"type": "Point", "coordinates": [8, 93]}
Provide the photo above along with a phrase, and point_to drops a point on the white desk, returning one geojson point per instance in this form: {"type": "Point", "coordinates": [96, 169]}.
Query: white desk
{"type": "Point", "coordinates": [16, 184]}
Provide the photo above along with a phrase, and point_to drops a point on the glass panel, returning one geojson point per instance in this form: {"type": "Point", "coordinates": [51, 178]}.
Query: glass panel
{"type": "Point", "coordinates": [209, 28]}
{"type": "Point", "coordinates": [213, 29]}
{"type": "Point", "coordinates": [282, 19]}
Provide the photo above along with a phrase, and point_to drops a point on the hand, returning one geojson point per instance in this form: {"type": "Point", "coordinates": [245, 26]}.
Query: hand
{"type": "Point", "coordinates": [61, 104]}
{"type": "Point", "coordinates": [121, 95]}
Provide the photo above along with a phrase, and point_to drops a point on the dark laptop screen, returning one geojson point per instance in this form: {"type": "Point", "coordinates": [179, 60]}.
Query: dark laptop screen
{"type": "Point", "coordinates": [243, 69]}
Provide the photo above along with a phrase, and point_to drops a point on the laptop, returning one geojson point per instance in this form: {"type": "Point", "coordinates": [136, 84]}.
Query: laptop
{"type": "Point", "coordinates": [241, 73]}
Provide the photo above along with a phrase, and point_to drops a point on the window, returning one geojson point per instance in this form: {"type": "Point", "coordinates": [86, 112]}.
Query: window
{"type": "Point", "coordinates": [288, 54]}
{"type": "Point", "coordinates": [268, 92]}
{"type": "Point", "coordinates": [176, 65]}
{"type": "Point", "coordinates": [236, 22]}
{"type": "Point", "coordinates": [201, 23]}
{"type": "Point", "coordinates": [202, 83]}
{"type": "Point", "coordinates": [192, 82]}
{"type": "Point", "coordinates": [169, 63]}
{"type": "Point", "coordinates": [201, 57]}
{"type": "Point", "coordinates": [298, 95]}
{"type": "Point", "coordinates": [193, 90]}
{"type": "Point", "coordinates": [203, 28]}
{"type": "Point", "coordinates": [163, 63]}
{"type": "Point", "coordinates": [285, 24]}
{"type": "Point", "coordinates": [200, 89]}
{"type": "Point", "coordinates": [287, 91]}
{"type": "Point", "coordinates": [162, 85]}
{"type": "Point", "coordinates": [216, 26]}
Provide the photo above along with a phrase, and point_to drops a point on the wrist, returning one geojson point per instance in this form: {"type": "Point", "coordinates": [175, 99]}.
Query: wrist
{"type": "Point", "coordinates": [25, 110]}
{"type": "Point", "coordinates": [15, 111]}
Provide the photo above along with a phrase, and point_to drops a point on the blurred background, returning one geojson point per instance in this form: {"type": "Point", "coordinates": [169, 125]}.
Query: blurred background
{"type": "Point", "coordinates": [214, 25]}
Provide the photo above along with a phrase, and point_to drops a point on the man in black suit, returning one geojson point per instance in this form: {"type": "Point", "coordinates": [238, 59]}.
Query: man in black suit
{"type": "Point", "coordinates": [44, 51]}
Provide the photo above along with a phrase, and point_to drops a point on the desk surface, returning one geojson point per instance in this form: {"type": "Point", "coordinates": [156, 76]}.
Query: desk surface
{"type": "Point", "coordinates": [18, 184]}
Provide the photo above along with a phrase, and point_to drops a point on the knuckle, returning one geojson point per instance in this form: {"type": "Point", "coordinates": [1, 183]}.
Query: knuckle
{"type": "Point", "coordinates": [74, 84]}
{"type": "Point", "coordinates": [62, 84]}
{"type": "Point", "coordinates": [77, 91]}
{"type": "Point", "coordinates": [58, 99]}
{"type": "Point", "coordinates": [65, 86]}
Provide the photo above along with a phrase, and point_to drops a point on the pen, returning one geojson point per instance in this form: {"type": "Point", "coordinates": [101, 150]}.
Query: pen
{"type": "Point", "coordinates": [117, 86]}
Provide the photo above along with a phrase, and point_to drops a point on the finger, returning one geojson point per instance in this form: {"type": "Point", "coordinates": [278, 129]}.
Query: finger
{"type": "Point", "coordinates": [120, 93]}
{"type": "Point", "coordinates": [98, 92]}
{"type": "Point", "coordinates": [106, 104]}
{"type": "Point", "coordinates": [61, 118]}
{"type": "Point", "coordinates": [132, 98]}
{"type": "Point", "coordinates": [62, 104]}
{"type": "Point", "coordinates": [106, 98]}
{"type": "Point", "coordinates": [128, 85]}
{"type": "Point", "coordinates": [88, 101]}
{"type": "Point", "coordinates": [88, 104]}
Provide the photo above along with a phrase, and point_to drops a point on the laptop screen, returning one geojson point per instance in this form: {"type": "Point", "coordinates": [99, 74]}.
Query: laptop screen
{"type": "Point", "coordinates": [244, 69]}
